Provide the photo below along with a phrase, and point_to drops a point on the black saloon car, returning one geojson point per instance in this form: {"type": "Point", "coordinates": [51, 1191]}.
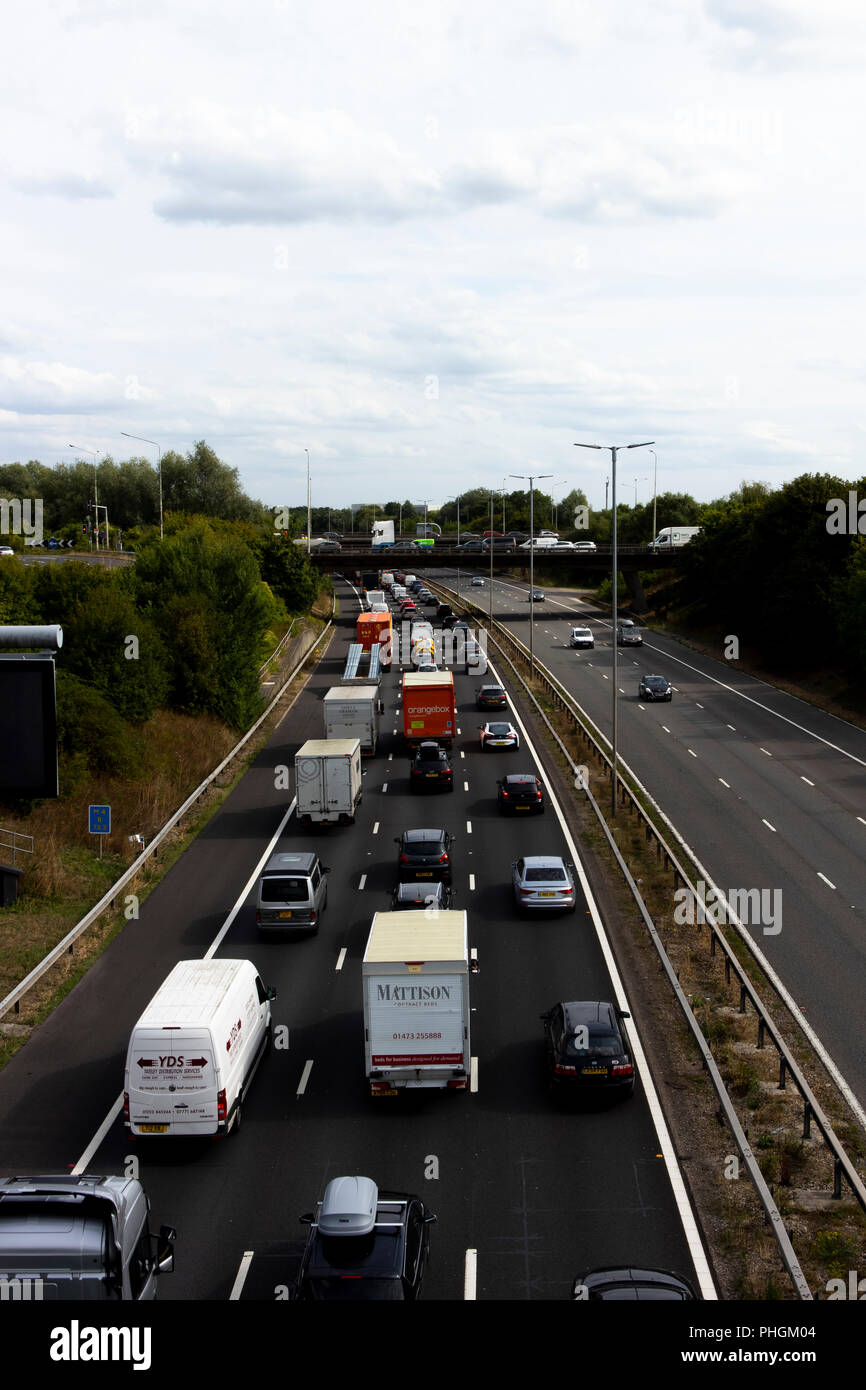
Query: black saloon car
{"type": "Point", "coordinates": [654, 688]}
{"type": "Point", "coordinates": [587, 1048]}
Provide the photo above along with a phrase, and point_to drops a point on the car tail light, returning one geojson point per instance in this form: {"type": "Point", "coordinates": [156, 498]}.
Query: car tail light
{"type": "Point", "coordinates": [560, 1070]}
{"type": "Point", "coordinates": [527, 892]}
{"type": "Point", "coordinates": [538, 796]}
{"type": "Point", "coordinates": [312, 916]}
{"type": "Point", "coordinates": [258, 915]}
{"type": "Point", "coordinates": [565, 892]}
{"type": "Point", "coordinates": [622, 1069]}
{"type": "Point", "coordinates": [404, 859]}
{"type": "Point", "coordinates": [221, 1108]}
{"type": "Point", "coordinates": [126, 1107]}
{"type": "Point", "coordinates": [505, 795]}
{"type": "Point", "coordinates": [443, 859]}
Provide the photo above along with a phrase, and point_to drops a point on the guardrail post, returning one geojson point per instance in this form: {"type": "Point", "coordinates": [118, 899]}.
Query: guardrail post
{"type": "Point", "coordinates": [807, 1120]}
{"type": "Point", "coordinates": [783, 1067]}
{"type": "Point", "coordinates": [837, 1180]}
{"type": "Point", "coordinates": [742, 999]}
{"type": "Point", "coordinates": [760, 1031]}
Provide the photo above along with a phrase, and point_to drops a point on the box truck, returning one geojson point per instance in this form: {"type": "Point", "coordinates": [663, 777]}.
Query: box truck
{"type": "Point", "coordinates": [670, 537]}
{"type": "Point", "coordinates": [328, 781]}
{"type": "Point", "coordinates": [195, 1049]}
{"type": "Point", "coordinates": [429, 708]}
{"type": "Point", "coordinates": [353, 712]}
{"type": "Point", "coordinates": [415, 978]}
{"type": "Point", "coordinates": [372, 628]}
{"type": "Point", "coordinates": [79, 1237]}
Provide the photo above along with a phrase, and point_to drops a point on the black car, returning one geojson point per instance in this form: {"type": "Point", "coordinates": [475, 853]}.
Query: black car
{"type": "Point", "coordinates": [444, 610]}
{"type": "Point", "coordinates": [431, 769]}
{"type": "Point", "coordinates": [424, 854]}
{"type": "Point", "coordinates": [327, 545]}
{"type": "Point", "coordinates": [521, 793]}
{"type": "Point", "coordinates": [364, 1244]}
{"type": "Point", "coordinates": [626, 1285]}
{"type": "Point", "coordinates": [654, 688]}
{"type": "Point", "coordinates": [419, 897]}
{"type": "Point", "coordinates": [587, 1048]}
{"type": "Point", "coordinates": [471, 547]}
{"type": "Point", "coordinates": [491, 697]}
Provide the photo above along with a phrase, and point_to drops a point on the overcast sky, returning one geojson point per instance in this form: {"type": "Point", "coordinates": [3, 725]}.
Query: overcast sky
{"type": "Point", "coordinates": [437, 243]}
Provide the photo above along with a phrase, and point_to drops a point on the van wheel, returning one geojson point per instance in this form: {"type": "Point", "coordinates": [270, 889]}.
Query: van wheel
{"type": "Point", "coordinates": [236, 1123]}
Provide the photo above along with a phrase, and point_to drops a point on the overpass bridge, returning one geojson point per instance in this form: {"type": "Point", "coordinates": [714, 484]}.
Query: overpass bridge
{"type": "Point", "coordinates": [570, 567]}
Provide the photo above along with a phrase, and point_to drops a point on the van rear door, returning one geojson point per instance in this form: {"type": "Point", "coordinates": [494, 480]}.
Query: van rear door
{"type": "Point", "coordinates": [172, 1082]}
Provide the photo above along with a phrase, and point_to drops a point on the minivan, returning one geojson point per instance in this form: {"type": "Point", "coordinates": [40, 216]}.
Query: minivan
{"type": "Point", "coordinates": [195, 1049]}
{"type": "Point", "coordinates": [293, 893]}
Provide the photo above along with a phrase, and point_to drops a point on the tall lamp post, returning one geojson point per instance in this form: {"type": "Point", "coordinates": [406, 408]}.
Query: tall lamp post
{"type": "Point", "coordinates": [95, 453]}
{"type": "Point", "coordinates": [614, 449]}
{"type": "Point", "coordinates": [141, 439]}
{"type": "Point", "coordinates": [532, 477]}
{"type": "Point", "coordinates": [655, 494]}
{"type": "Point", "coordinates": [309, 507]}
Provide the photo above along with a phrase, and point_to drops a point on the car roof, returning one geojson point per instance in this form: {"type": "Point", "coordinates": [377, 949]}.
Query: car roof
{"type": "Point", "coordinates": [290, 863]}
{"type": "Point", "coordinates": [520, 777]}
{"type": "Point", "coordinates": [543, 861]}
{"type": "Point", "coordinates": [579, 1011]}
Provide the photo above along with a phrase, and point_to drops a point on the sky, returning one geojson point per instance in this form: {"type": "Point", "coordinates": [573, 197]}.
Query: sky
{"type": "Point", "coordinates": [435, 245]}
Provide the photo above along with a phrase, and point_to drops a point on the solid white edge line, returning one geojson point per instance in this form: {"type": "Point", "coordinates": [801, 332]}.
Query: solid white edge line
{"type": "Point", "coordinates": [98, 1137]}
{"type": "Point", "coordinates": [305, 1076]}
{"type": "Point", "coordinates": [470, 1274]}
{"type": "Point", "coordinates": [680, 1191]}
{"type": "Point", "coordinates": [241, 1276]}
{"type": "Point", "coordinates": [826, 880]}
{"type": "Point", "coordinates": [341, 957]}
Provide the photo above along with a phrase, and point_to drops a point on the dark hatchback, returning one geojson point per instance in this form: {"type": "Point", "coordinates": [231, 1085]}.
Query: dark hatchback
{"type": "Point", "coordinates": [491, 697]}
{"type": "Point", "coordinates": [364, 1245]}
{"type": "Point", "coordinates": [421, 897]}
{"type": "Point", "coordinates": [424, 854]}
{"type": "Point", "coordinates": [626, 1285]}
{"type": "Point", "coordinates": [654, 688]}
{"type": "Point", "coordinates": [431, 769]}
{"type": "Point", "coordinates": [520, 794]}
{"type": "Point", "coordinates": [587, 1048]}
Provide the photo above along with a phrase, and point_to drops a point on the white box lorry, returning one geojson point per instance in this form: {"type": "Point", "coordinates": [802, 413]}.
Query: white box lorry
{"type": "Point", "coordinates": [328, 781]}
{"type": "Point", "coordinates": [195, 1049]}
{"type": "Point", "coordinates": [353, 713]}
{"type": "Point", "coordinates": [415, 976]}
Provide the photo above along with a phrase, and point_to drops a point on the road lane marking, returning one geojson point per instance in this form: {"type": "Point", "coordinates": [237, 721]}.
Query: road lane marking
{"type": "Point", "coordinates": [471, 883]}
{"type": "Point", "coordinates": [305, 1076]}
{"type": "Point", "coordinates": [341, 957]}
{"type": "Point", "coordinates": [470, 1274]}
{"type": "Point", "coordinates": [362, 882]}
{"type": "Point", "coordinates": [240, 1277]}
{"type": "Point", "coordinates": [826, 880]}
{"type": "Point", "coordinates": [768, 825]}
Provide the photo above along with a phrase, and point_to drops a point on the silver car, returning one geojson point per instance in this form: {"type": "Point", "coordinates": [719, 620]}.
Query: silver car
{"type": "Point", "coordinates": [293, 893]}
{"type": "Point", "coordinates": [543, 883]}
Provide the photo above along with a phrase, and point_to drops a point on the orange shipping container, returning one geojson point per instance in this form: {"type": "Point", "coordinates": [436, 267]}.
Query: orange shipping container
{"type": "Point", "coordinates": [429, 709]}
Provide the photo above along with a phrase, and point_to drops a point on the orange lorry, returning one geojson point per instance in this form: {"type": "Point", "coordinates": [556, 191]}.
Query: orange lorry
{"type": "Point", "coordinates": [372, 628]}
{"type": "Point", "coordinates": [429, 709]}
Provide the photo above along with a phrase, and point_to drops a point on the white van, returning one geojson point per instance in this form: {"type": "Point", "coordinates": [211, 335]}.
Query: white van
{"type": "Point", "coordinates": [194, 1051]}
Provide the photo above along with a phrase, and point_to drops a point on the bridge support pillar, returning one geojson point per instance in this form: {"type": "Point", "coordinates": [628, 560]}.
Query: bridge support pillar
{"type": "Point", "coordinates": [635, 590]}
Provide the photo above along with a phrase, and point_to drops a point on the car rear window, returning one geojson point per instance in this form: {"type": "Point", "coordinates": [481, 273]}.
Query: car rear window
{"type": "Point", "coordinates": [277, 889]}
{"type": "Point", "coordinates": [552, 875]}
{"type": "Point", "coordinates": [603, 1044]}
{"type": "Point", "coordinates": [499, 728]}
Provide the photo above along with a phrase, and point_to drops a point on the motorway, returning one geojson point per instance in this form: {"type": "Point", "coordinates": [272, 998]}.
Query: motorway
{"type": "Point", "coordinates": [769, 792]}
{"type": "Point", "coordinates": [539, 1190]}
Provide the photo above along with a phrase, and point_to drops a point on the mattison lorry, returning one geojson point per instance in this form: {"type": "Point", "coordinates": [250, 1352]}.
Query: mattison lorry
{"type": "Point", "coordinates": [415, 976]}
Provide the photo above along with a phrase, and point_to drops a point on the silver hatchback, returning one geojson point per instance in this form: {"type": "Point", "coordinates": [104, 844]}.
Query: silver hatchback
{"type": "Point", "coordinates": [543, 883]}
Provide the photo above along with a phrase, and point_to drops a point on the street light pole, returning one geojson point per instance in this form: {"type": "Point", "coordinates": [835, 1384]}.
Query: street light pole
{"type": "Point", "coordinates": [95, 454]}
{"type": "Point", "coordinates": [309, 508]}
{"type": "Point", "coordinates": [614, 449]}
{"type": "Point", "coordinates": [142, 440]}
{"type": "Point", "coordinates": [655, 494]}
{"type": "Point", "coordinates": [490, 542]}
{"type": "Point", "coordinates": [532, 477]}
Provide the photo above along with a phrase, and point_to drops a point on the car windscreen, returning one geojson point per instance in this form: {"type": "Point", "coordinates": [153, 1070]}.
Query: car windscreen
{"type": "Point", "coordinates": [545, 875]}
{"type": "Point", "coordinates": [277, 889]}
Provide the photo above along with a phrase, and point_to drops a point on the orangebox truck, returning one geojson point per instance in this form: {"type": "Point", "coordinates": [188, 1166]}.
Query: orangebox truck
{"type": "Point", "coordinates": [429, 709]}
{"type": "Point", "coordinates": [415, 975]}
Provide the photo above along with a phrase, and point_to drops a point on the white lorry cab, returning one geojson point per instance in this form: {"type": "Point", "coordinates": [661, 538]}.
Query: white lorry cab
{"type": "Point", "coordinates": [195, 1049]}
